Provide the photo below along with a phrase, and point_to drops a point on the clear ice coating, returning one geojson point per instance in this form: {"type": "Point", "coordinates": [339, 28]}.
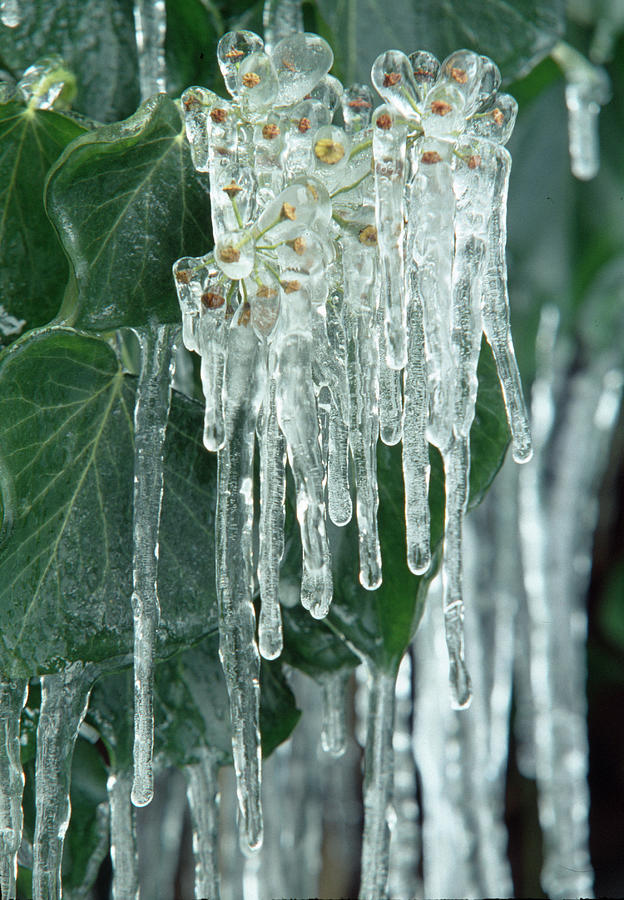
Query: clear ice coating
{"type": "Point", "coordinates": [13, 695]}
{"type": "Point", "coordinates": [64, 699]}
{"type": "Point", "coordinates": [150, 27]}
{"type": "Point", "coordinates": [123, 848]}
{"type": "Point", "coordinates": [151, 412]}
{"type": "Point", "coordinates": [358, 262]}
{"type": "Point", "coordinates": [203, 798]}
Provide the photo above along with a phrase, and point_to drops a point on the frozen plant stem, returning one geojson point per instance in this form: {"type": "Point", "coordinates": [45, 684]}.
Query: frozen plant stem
{"type": "Point", "coordinates": [151, 412]}
{"type": "Point", "coordinates": [203, 797]}
{"type": "Point", "coordinates": [64, 699]}
{"type": "Point", "coordinates": [378, 780]}
{"type": "Point", "coordinates": [13, 695]}
{"type": "Point", "coordinates": [122, 837]}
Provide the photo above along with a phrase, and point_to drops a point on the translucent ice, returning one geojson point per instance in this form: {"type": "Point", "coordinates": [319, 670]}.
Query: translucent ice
{"type": "Point", "coordinates": [301, 60]}
{"type": "Point", "coordinates": [13, 696]}
{"type": "Point", "coordinates": [150, 26]}
{"type": "Point", "coordinates": [203, 797]}
{"type": "Point", "coordinates": [123, 837]}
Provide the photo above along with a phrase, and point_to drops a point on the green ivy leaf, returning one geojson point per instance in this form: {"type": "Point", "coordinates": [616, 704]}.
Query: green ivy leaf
{"type": "Point", "coordinates": [127, 203]}
{"type": "Point", "coordinates": [380, 624]}
{"type": "Point", "coordinates": [193, 29]}
{"type": "Point", "coordinates": [516, 34]}
{"type": "Point", "coordinates": [96, 40]}
{"type": "Point", "coordinates": [33, 268]}
{"type": "Point", "coordinates": [66, 474]}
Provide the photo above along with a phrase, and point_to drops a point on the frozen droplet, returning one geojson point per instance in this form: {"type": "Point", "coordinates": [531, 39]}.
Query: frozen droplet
{"type": "Point", "coordinates": [393, 79]}
{"type": "Point", "coordinates": [197, 104]}
{"type": "Point", "coordinates": [257, 83]}
{"type": "Point", "coordinates": [443, 111]}
{"type": "Point", "coordinates": [233, 48]}
{"type": "Point", "coordinates": [357, 107]}
{"type": "Point", "coordinates": [331, 147]}
{"type": "Point", "coordinates": [301, 61]}
{"type": "Point", "coordinates": [328, 92]}
{"type": "Point", "coordinates": [281, 18]}
{"type": "Point", "coordinates": [304, 203]}
{"type": "Point", "coordinates": [235, 252]}
{"type": "Point", "coordinates": [496, 122]}
{"type": "Point", "coordinates": [425, 68]}
{"type": "Point", "coordinates": [475, 77]}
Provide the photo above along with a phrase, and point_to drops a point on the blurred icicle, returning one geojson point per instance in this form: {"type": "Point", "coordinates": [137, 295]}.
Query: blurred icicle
{"type": "Point", "coordinates": [160, 825]}
{"type": "Point", "coordinates": [378, 781]}
{"type": "Point", "coordinates": [64, 699]}
{"type": "Point", "coordinates": [405, 841]}
{"type": "Point", "coordinates": [587, 89]}
{"type": "Point", "coordinates": [123, 837]}
{"type": "Point", "coordinates": [333, 732]}
{"type": "Point", "coordinates": [150, 25]}
{"type": "Point", "coordinates": [10, 13]}
{"type": "Point", "coordinates": [13, 695]}
{"type": "Point", "coordinates": [279, 19]}
{"type": "Point", "coordinates": [203, 798]}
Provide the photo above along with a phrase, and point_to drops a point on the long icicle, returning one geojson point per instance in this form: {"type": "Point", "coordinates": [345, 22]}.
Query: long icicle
{"type": "Point", "coordinates": [281, 18]}
{"type": "Point", "coordinates": [151, 412]}
{"type": "Point", "coordinates": [203, 798]}
{"type": "Point", "coordinates": [150, 26]}
{"type": "Point", "coordinates": [13, 695]}
{"type": "Point", "coordinates": [378, 781]}
{"type": "Point", "coordinates": [244, 389]}
{"type": "Point", "coordinates": [64, 699]}
{"type": "Point", "coordinates": [123, 848]}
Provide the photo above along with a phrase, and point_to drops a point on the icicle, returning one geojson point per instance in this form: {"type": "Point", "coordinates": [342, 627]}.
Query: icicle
{"type": "Point", "coordinates": [150, 25]}
{"type": "Point", "coordinates": [338, 495]}
{"type": "Point", "coordinates": [378, 780]}
{"type": "Point", "coordinates": [495, 309]}
{"type": "Point", "coordinates": [279, 19]}
{"type": "Point", "coordinates": [161, 825]}
{"type": "Point", "coordinates": [64, 699]}
{"type": "Point", "coordinates": [333, 733]}
{"type": "Point", "coordinates": [298, 420]}
{"type": "Point", "coordinates": [203, 798]}
{"type": "Point", "coordinates": [272, 497]}
{"type": "Point", "coordinates": [13, 695]}
{"type": "Point", "coordinates": [10, 15]}
{"type": "Point", "coordinates": [390, 393]}
{"type": "Point", "coordinates": [587, 89]}
{"type": "Point", "coordinates": [244, 389]}
{"type": "Point", "coordinates": [362, 368]}
{"type": "Point", "coordinates": [123, 847]}
{"type": "Point", "coordinates": [153, 398]}
{"type": "Point", "coordinates": [403, 879]}
{"type": "Point", "coordinates": [389, 147]}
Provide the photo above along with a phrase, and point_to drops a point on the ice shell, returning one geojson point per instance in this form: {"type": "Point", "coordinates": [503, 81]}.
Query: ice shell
{"type": "Point", "coordinates": [331, 147]}
{"type": "Point", "coordinates": [304, 203]}
{"type": "Point", "coordinates": [236, 188]}
{"type": "Point", "coordinates": [497, 122]}
{"type": "Point", "coordinates": [443, 115]}
{"type": "Point", "coordinates": [308, 115]}
{"type": "Point", "coordinates": [232, 49]}
{"type": "Point", "coordinates": [476, 77]}
{"type": "Point", "coordinates": [329, 92]}
{"type": "Point", "coordinates": [295, 316]}
{"type": "Point", "coordinates": [197, 103]}
{"type": "Point", "coordinates": [357, 107]}
{"type": "Point", "coordinates": [263, 294]}
{"type": "Point", "coordinates": [393, 79]}
{"type": "Point", "coordinates": [257, 83]}
{"type": "Point", "coordinates": [301, 61]}
{"type": "Point", "coordinates": [194, 276]}
{"type": "Point", "coordinates": [425, 68]}
{"type": "Point", "coordinates": [44, 83]}
{"type": "Point", "coordinates": [235, 252]}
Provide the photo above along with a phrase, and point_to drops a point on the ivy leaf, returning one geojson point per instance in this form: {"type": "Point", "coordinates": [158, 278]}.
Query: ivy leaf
{"type": "Point", "coordinates": [516, 34]}
{"type": "Point", "coordinates": [380, 624]}
{"type": "Point", "coordinates": [193, 29]}
{"type": "Point", "coordinates": [127, 203]}
{"type": "Point", "coordinates": [66, 475]}
{"type": "Point", "coordinates": [33, 268]}
{"type": "Point", "coordinates": [96, 40]}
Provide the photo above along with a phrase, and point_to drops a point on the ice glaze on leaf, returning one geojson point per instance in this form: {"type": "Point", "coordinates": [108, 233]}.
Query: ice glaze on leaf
{"type": "Point", "coordinates": [127, 203]}
{"type": "Point", "coordinates": [33, 268]}
{"type": "Point", "coordinates": [516, 34]}
{"type": "Point", "coordinates": [66, 461]}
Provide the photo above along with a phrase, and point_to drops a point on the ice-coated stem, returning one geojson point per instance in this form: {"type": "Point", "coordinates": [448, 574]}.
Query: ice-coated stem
{"type": "Point", "coordinates": [456, 472]}
{"type": "Point", "coordinates": [334, 732]}
{"type": "Point", "coordinates": [272, 497]}
{"type": "Point", "coordinates": [150, 26]}
{"type": "Point", "coordinates": [151, 412]}
{"type": "Point", "coordinates": [203, 797]}
{"type": "Point", "coordinates": [378, 782]}
{"type": "Point", "coordinates": [13, 695]}
{"type": "Point", "coordinates": [123, 846]}
{"type": "Point", "coordinates": [281, 18]}
{"type": "Point", "coordinates": [243, 393]}
{"type": "Point", "coordinates": [64, 699]}
{"type": "Point", "coordinates": [495, 310]}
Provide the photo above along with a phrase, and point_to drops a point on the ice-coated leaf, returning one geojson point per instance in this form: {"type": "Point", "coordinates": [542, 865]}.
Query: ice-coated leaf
{"type": "Point", "coordinates": [66, 471]}
{"type": "Point", "coordinates": [516, 34]}
{"type": "Point", "coordinates": [96, 40]}
{"type": "Point", "coordinates": [127, 203]}
{"type": "Point", "coordinates": [380, 624]}
{"type": "Point", "coordinates": [33, 268]}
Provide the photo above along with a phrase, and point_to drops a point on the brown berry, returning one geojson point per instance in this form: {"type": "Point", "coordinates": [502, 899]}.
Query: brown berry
{"type": "Point", "coordinates": [291, 286]}
{"type": "Point", "coordinates": [440, 108]}
{"type": "Point", "coordinates": [288, 211]}
{"type": "Point", "coordinates": [498, 116]}
{"type": "Point", "coordinates": [251, 79]}
{"type": "Point", "coordinates": [391, 78]}
{"type": "Point", "coordinates": [265, 292]}
{"type": "Point", "coordinates": [212, 301]}
{"type": "Point", "coordinates": [368, 236]}
{"type": "Point", "coordinates": [329, 151]}
{"type": "Point", "coordinates": [218, 115]}
{"type": "Point", "coordinates": [183, 276]}
{"type": "Point", "coordinates": [423, 74]}
{"type": "Point", "coordinates": [270, 131]}
{"type": "Point", "coordinates": [298, 245]}
{"type": "Point", "coordinates": [234, 54]}
{"type": "Point", "coordinates": [384, 121]}
{"type": "Point", "coordinates": [459, 75]}
{"type": "Point", "coordinates": [232, 189]}
{"type": "Point", "coordinates": [304, 125]}
{"type": "Point", "coordinates": [430, 157]}
{"type": "Point", "coordinates": [289, 65]}
{"type": "Point", "coordinates": [474, 161]}
{"type": "Point", "coordinates": [229, 254]}
{"type": "Point", "coordinates": [359, 103]}
{"type": "Point", "coordinates": [245, 314]}
{"type": "Point", "coordinates": [191, 102]}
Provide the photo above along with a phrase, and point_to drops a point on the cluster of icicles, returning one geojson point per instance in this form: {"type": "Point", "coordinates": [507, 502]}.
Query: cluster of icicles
{"type": "Point", "coordinates": [354, 271]}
